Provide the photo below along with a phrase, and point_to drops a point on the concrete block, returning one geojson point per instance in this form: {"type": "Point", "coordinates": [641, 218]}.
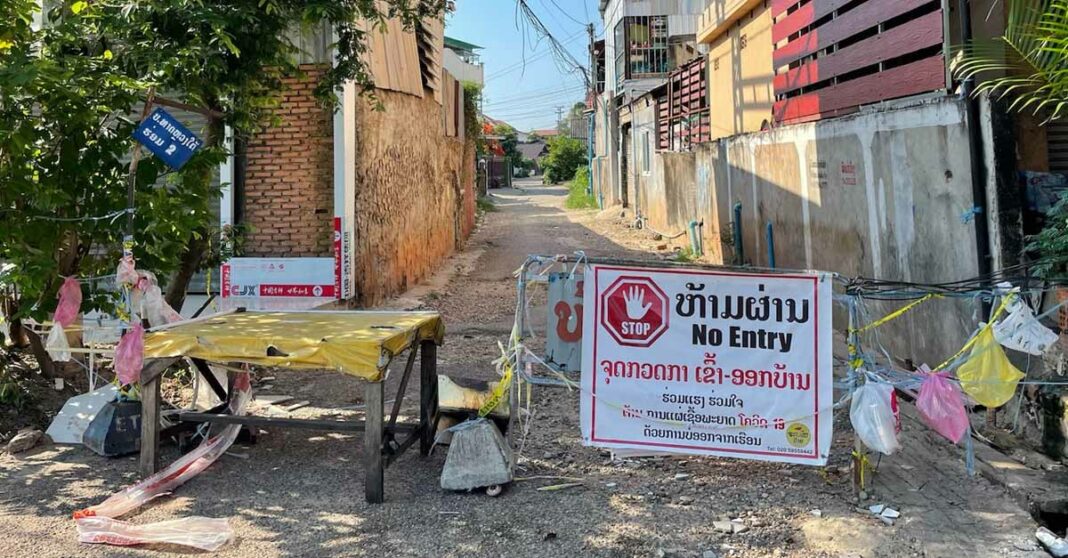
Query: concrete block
{"type": "Point", "coordinates": [479, 456]}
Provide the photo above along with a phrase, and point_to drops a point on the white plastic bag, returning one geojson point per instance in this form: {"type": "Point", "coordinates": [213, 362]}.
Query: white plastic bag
{"type": "Point", "coordinates": [1020, 331]}
{"type": "Point", "coordinates": [204, 533]}
{"type": "Point", "coordinates": [185, 468]}
{"type": "Point", "coordinates": [149, 303]}
{"type": "Point", "coordinates": [57, 346]}
{"type": "Point", "coordinates": [874, 416]}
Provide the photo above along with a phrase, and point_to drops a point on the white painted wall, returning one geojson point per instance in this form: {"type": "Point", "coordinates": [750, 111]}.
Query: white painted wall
{"type": "Point", "coordinates": [462, 70]}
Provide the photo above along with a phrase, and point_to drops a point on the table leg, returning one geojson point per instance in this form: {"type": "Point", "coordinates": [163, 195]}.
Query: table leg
{"type": "Point", "coordinates": [374, 490]}
{"type": "Point", "coordinates": [428, 393]}
{"type": "Point", "coordinates": [150, 404]}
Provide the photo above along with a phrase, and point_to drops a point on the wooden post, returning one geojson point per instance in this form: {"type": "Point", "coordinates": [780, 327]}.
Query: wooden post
{"type": "Point", "coordinates": [428, 392]}
{"type": "Point", "coordinates": [151, 376]}
{"type": "Point", "coordinates": [854, 354]}
{"type": "Point", "coordinates": [373, 464]}
{"type": "Point", "coordinates": [150, 397]}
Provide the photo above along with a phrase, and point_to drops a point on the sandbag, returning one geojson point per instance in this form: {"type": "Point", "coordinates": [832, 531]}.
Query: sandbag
{"type": "Point", "coordinates": [942, 407]}
{"type": "Point", "coordinates": [875, 417]}
{"type": "Point", "coordinates": [987, 376]}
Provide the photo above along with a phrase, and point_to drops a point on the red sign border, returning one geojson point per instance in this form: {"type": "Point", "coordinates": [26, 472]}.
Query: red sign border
{"type": "Point", "coordinates": [816, 365]}
{"type": "Point", "coordinates": [602, 308]}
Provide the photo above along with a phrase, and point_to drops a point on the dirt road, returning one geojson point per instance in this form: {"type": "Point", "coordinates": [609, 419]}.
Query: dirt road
{"type": "Point", "coordinates": [301, 494]}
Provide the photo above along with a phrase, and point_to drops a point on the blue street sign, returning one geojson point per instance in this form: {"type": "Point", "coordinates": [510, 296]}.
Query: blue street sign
{"type": "Point", "coordinates": [165, 136]}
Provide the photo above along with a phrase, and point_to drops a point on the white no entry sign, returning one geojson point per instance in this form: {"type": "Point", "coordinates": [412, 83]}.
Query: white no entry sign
{"type": "Point", "coordinates": [708, 362]}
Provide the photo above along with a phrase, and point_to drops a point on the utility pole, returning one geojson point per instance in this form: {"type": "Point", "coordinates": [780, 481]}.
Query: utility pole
{"type": "Point", "coordinates": [559, 116]}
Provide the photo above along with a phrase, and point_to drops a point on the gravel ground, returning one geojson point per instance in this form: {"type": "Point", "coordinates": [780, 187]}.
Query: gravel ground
{"type": "Point", "coordinates": [301, 494]}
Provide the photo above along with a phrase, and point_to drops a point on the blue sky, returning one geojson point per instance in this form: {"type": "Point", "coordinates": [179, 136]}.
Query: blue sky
{"type": "Point", "coordinates": [526, 96]}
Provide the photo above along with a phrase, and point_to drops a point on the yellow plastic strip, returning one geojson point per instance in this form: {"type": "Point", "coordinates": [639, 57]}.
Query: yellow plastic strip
{"type": "Point", "coordinates": [896, 313]}
{"type": "Point", "coordinates": [989, 324]}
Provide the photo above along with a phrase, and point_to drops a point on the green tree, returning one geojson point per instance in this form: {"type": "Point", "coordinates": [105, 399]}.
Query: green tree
{"type": "Point", "coordinates": [472, 125]}
{"type": "Point", "coordinates": [69, 94]}
{"type": "Point", "coordinates": [509, 143]}
{"type": "Point", "coordinates": [1028, 62]}
{"type": "Point", "coordinates": [565, 156]}
{"type": "Point", "coordinates": [573, 114]}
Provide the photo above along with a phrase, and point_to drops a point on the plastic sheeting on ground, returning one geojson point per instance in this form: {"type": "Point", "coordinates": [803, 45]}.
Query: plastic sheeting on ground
{"type": "Point", "coordinates": [357, 343]}
{"type": "Point", "coordinates": [204, 533]}
{"type": "Point", "coordinates": [185, 468]}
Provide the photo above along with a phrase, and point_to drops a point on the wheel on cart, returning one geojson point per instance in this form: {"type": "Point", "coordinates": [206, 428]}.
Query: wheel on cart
{"type": "Point", "coordinates": [494, 491]}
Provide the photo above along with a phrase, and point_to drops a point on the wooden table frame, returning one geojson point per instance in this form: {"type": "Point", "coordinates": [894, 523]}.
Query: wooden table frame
{"type": "Point", "coordinates": [381, 444]}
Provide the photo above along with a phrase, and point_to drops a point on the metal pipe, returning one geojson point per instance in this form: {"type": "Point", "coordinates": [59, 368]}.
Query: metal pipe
{"type": "Point", "coordinates": [739, 248]}
{"type": "Point", "coordinates": [975, 148]}
{"type": "Point", "coordinates": [695, 239]}
{"type": "Point", "coordinates": [769, 232]}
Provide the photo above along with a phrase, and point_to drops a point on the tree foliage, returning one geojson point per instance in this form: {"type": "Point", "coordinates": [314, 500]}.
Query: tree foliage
{"type": "Point", "coordinates": [70, 95]}
{"type": "Point", "coordinates": [565, 156]}
{"type": "Point", "coordinates": [1028, 62]}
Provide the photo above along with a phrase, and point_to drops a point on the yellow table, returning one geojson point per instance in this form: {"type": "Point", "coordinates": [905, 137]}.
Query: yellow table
{"type": "Point", "coordinates": [361, 344]}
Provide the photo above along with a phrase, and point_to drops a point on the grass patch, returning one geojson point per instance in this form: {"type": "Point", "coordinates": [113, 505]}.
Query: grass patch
{"type": "Point", "coordinates": [685, 255]}
{"type": "Point", "coordinates": [577, 195]}
{"type": "Point", "coordinates": [485, 205]}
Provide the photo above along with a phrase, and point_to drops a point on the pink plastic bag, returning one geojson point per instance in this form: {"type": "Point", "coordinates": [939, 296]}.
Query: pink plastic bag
{"type": "Point", "coordinates": [198, 532]}
{"type": "Point", "coordinates": [130, 355]}
{"type": "Point", "coordinates": [126, 274]}
{"type": "Point", "coordinates": [70, 302]}
{"type": "Point", "coordinates": [942, 407]}
{"type": "Point", "coordinates": [185, 468]}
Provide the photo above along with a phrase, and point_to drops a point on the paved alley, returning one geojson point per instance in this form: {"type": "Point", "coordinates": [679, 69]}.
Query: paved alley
{"type": "Point", "coordinates": [301, 494]}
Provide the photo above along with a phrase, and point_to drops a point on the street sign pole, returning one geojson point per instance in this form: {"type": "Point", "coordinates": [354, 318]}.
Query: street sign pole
{"type": "Point", "coordinates": [131, 187]}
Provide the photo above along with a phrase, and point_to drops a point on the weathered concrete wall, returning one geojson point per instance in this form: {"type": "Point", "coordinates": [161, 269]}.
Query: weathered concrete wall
{"type": "Point", "coordinates": [411, 185]}
{"type": "Point", "coordinates": [289, 177]}
{"type": "Point", "coordinates": [877, 194]}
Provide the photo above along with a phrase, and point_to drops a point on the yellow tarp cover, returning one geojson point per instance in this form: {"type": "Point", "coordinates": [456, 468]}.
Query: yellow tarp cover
{"type": "Point", "coordinates": [357, 343]}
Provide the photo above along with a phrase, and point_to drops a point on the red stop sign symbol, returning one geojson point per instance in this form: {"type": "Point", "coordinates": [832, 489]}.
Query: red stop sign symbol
{"type": "Point", "coordinates": [634, 311]}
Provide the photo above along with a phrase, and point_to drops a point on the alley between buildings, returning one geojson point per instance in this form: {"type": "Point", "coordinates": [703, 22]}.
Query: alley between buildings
{"type": "Point", "coordinates": [295, 493]}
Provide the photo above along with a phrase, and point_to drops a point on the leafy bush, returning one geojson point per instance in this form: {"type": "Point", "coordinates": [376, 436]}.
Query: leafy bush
{"type": "Point", "coordinates": [1052, 243]}
{"type": "Point", "coordinates": [565, 156]}
{"type": "Point", "coordinates": [578, 196]}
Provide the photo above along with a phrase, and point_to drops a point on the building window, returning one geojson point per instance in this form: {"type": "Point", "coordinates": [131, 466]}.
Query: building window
{"type": "Point", "coordinates": [642, 48]}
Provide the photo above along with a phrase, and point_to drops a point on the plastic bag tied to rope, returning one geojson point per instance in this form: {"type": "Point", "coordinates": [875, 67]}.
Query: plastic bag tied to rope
{"type": "Point", "coordinates": [57, 345]}
{"type": "Point", "coordinates": [204, 533]}
{"type": "Point", "coordinates": [941, 405]}
{"type": "Point", "coordinates": [987, 376]}
{"type": "Point", "coordinates": [126, 273]}
{"type": "Point", "coordinates": [875, 418]}
{"type": "Point", "coordinates": [1021, 331]}
{"type": "Point", "coordinates": [185, 468]}
{"type": "Point", "coordinates": [148, 301]}
{"type": "Point", "coordinates": [70, 302]}
{"type": "Point", "coordinates": [129, 355]}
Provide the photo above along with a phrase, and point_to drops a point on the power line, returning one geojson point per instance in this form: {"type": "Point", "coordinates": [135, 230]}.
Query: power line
{"type": "Point", "coordinates": [565, 60]}
{"type": "Point", "coordinates": [552, 96]}
{"type": "Point", "coordinates": [522, 64]}
{"type": "Point", "coordinates": [569, 16]}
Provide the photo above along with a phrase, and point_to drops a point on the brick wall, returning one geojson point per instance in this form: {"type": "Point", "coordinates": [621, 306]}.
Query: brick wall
{"type": "Point", "coordinates": [289, 177]}
{"type": "Point", "coordinates": [414, 194]}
